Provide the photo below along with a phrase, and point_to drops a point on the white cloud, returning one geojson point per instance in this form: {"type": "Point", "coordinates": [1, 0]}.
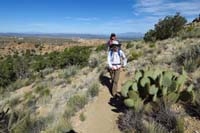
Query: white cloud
{"type": "Point", "coordinates": [167, 7]}
{"type": "Point", "coordinates": [150, 11]}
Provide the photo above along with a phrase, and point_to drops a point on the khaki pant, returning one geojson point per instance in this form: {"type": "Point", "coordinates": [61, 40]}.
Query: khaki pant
{"type": "Point", "coordinates": [115, 78]}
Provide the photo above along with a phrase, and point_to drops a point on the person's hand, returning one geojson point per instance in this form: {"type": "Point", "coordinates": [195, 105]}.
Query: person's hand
{"type": "Point", "coordinates": [113, 68]}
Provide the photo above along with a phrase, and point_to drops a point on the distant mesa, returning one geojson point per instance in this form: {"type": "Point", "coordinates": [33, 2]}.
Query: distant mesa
{"type": "Point", "coordinates": [123, 36]}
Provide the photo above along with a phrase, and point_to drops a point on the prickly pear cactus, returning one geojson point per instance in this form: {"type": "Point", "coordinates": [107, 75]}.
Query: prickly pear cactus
{"type": "Point", "coordinates": [155, 84]}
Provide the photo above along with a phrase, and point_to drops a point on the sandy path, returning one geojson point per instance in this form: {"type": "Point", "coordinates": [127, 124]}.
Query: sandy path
{"type": "Point", "coordinates": [99, 115]}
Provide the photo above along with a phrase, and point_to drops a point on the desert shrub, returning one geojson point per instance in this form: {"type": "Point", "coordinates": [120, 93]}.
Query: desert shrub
{"type": "Point", "coordinates": [2, 90]}
{"type": "Point", "coordinates": [129, 45]}
{"type": "Point", "coordinates": [152, 45]}
{"type": "Point", "coordinates": [168, 119]}
{"type": "Point", "coordinates": [69, 72]}
{"type": "Point", "coordinates": [25, 66]}
{"type": "Point", "coordinates": [45, 92]}
{"type": "Point", "coordinates": [82, 117]}
{"type": "Point", "coordinates": [24, 125]}
{"type": "Point", "coordinates": [41, 123]}
{"type": "Point", "coordinates": [93, 90]}
{"type": "Point", "coordinates": [52, 59]}
{"type": "Point", "coordinates": [78, 55]}
{"type": "Point", "coordinates": [19, 84]}
{"type": "Point", "coordinates": [134, 55]}
{"type": "Point", "coordinates": [166, 28]}
{"type": "Point", "coordinates": [154, 127]}
{"type": "Point", "coordinates": [21, 65]}
{"type": "Point", "coordinates": [38, 63]}
{"type": "Point", "coordinates": [38, 89]}
{"type": "Point", "coordinates": [131, 121]}
{"type": "Point", "coordinates": [193, 109]}
{"type": "Point", "coordinates": [15, 121]}
{"type": "Point", "coordinates": [189, 58]}
{"type": "Point", "coordinates": [58, 82]}
{"type": "Point", "coordinates": [94, 62]}
{"type": "Point", "coordinates": [47, 71]}
{"type": "Point", "coordinates": [44, 97]}
{"type": "Point", "coordinates": [28, 95]}
{"type": "Point", "coordinates": [7, 73]}
{"type": "Point", "coordinates": [62, 126]}
{"type": "Point", "coordinates": [190, 32]}
{"type": "Point", "coordinates": [69, 112]}
{"type": "Point", "coordinates": [77, 102]}
{"type": "Point", "coordinates": [150, 36]}
{"type": "Point", "coordinates": [74, 104]}
{"type": "Point", "coordinates": [101, 47]}
{"type": "Point", "coordinates": [13, 101]}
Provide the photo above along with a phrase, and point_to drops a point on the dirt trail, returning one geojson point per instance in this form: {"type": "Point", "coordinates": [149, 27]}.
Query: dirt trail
{"type": "Point", "coordinates": [100, 117]}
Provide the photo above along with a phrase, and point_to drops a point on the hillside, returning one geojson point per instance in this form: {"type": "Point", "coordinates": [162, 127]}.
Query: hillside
{"type": "Point", "coordinates": [52, 95]}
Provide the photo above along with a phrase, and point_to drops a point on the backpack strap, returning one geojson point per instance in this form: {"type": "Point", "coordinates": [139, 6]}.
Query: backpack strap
{"type": "Point", "coordinates": [119, 52]}
{"type": "Point", "coordinates": [111, 52]}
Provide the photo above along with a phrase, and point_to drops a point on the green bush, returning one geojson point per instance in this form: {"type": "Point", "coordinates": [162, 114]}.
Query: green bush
{"type": "Point", "coordinates": [70, 71]}
{"type": "Point", "coordinates": [193, 108]}
{"type": "Point", "coordinates": [129, 45]}
{"type": "Point", "coordinates": [131, 121]}
{"type": "Point", "coordinates": [21, 67]}
{"type": "Point", "coordinates": [40, 88]}
{"type": "Point", "coordinates": [150, 36]}
{"type": "Point", "coordinates": [78, 55]}
{"type": "Point", "coordinates": [15, 121]}
{"type": "Point", "coordinates": [69, 112]}
{"type": "Point", "coordinates": [93, 90]}
{"type": "Point", "coordinates": [152, 45]}
{"type": "Point", "coordinates": [190, 32]}
{"type": "Point", "coordinates": [77, 102]}
{"type": "Point", "coordinates": [168, 119]}
{"type": "Point", "coordinates": [7, 73]}
{"type": "Point", "coordinates": [62, 126]}
{"type": "Point", "coordinates": [166, 28]}
{"type": "Point", "coordinates": [13, 101]}
{"type": "Point", "coordinates": [94, 62]}
{"type": "Point", "coordinates": [101, 47]}
{"type": "Point", "coordinates": [82, 117]}
{"type": "Point", "coordinates": [189, 58]}
{"type": "Point", "coordinates": [134, 55]}
{"type": "Point", "coordinates": [19, 84]}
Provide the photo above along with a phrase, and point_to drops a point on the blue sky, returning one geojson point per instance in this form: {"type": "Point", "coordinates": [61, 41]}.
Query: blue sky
{"type": "Point", "coordinates": [90, 16]}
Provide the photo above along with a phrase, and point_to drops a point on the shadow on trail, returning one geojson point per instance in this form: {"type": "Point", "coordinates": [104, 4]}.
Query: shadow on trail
{"type": "Point", "coordinates": [106, 81]}
{"type": "Point", "coordinates": [71, 131]}
{"type": "Point", "coordinates": [118, 102]}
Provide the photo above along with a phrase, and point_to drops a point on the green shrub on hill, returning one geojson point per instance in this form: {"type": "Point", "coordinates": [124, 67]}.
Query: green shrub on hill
{"type": "Point", "coordinates": [190, 32]}
{"type": "Point", "coordinates": [189, 58]}
{"type": "Point", "coordinates": [150, 36]}
{"type": "Point", "coordinates": [166, 28]}
{"type": "Point", "coordinates": [21, 67]}
{"type": "Point", "coordinates": [134, 55]}
{"type": "Point", "coordinates": [101, 47]}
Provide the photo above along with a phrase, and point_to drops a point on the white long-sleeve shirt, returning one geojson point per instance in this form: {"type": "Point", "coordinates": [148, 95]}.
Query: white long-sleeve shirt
{"type": "Point", "coordinates": [115, 61]}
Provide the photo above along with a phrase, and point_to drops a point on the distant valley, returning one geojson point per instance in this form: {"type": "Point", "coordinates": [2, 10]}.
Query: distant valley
{"type": "Point", "coordinates": [123, 36]}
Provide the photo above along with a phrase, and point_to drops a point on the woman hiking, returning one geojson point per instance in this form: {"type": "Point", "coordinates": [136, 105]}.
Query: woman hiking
{"type": "Point", "coordinates": [116, 60]}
